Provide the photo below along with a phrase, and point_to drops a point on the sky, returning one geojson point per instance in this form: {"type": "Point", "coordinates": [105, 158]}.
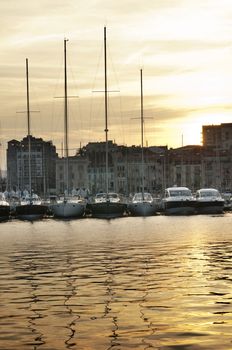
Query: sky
{"type": "Point", "coordinates": [182, 46]}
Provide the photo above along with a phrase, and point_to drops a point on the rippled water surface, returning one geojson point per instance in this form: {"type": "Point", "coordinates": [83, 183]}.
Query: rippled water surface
{"type": "Point", "coordinates": [131, 283]}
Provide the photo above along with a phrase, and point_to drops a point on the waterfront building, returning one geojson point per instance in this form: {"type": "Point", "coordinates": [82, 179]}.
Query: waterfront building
{"type": "Point", "coordinates": [200, 167]}
{"type": "Point", "coordinates": [217, 136]}
{"type": "Point", "coordinates": [184, 167]}
{"type": "Point", "coordinates": [192, 166]}
{"type": "Point", "coordinates": [3, 182]}
{"type": "Point", "coordinates": [43, 160]}
{"type": "Point", "coordinates": [96, 155]}
{"type": "Point", "coordinates": [217, 162]}
{"type": "Point", "coordinates": [125, 168]}
{"type": "Point", "coordinates": [77, 174]}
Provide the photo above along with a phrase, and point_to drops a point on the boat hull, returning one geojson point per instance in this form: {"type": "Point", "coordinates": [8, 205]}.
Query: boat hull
{"type": "Point", "coordinates": [210, 207]}
{"type": "Point", "coordinates": [182, 207]}
{"type": "Point", "coordinates": [4, 212]}
{"type": "Point", "coordinates": [142, 209]}
{"type": "Point", "coordinates": [30, 211]}
{"type": "Point", "coordinates": [68, 209]}
{"type": "Point", "coordinates": [107, 210]}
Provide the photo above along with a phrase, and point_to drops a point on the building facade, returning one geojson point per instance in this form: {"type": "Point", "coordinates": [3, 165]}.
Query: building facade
{"type": "Point", "coordinates": [71, 174]}
{"type": "Point", "coordinates": [217, 136]}
{"type": "Point", "coordinates": [43, 165]}
{"type": "Point", "coordinates": [194, 166]}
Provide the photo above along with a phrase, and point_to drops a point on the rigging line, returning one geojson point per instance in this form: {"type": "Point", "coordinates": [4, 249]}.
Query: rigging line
{"type": "Point", "coordinates": [93, 86]}
{"type": "Point", "coordinates": [55, 125]}
{"type": "Point", "coordinates": [113, 66]}
{"type": "Point", "coordinates": [72, 109]}
{"type": "Point", "coordinates": [98, 67]}
{"type": "Point", "coordinates": [115, 114]}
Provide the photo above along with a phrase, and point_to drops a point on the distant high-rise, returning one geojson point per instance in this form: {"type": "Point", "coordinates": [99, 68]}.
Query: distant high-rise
{"type": "Point", "coordinates": [43, 165]}
{"type": "Point", "coordinates": [217, 136]}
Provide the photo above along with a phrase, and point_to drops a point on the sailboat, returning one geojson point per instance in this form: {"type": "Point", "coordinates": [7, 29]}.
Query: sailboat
{"type": "Point", "coordinates": [30, 206]}
{"type": "Point", "coordinates": [142, 203]}
{"type": "Point", "coordinates": [107, 204]}
{"type": "Point", "coordinates": [68, 206]}
{"type": "Point", "coordinates": [4, 208]}
{"type": "Point", "coordinates": [4, 205]}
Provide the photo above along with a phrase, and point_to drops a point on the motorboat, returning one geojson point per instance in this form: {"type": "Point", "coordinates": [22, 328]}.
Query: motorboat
{"type": "Point", "coordinates": [142, 204]}
{"type": "Point", "coordinates": [4, 208]}
{"type": "Point", "coordinates": [209, 201]}
{"type": "Point", "coordinates": [227, 196]}
{"type": "Point", "coordinates": [178, 200]}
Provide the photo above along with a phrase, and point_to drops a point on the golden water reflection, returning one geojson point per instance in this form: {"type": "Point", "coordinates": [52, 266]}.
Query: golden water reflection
{"type": "Point", "coordinates": [131, 283]}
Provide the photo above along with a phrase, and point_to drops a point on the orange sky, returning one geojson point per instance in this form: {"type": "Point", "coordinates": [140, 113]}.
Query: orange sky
{"type": "Point", "coordinates": [184, 48]}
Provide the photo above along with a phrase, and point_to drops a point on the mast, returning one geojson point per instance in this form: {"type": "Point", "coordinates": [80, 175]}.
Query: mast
{"type": "Point", "coordinates": [28, 127]}
{"type": "Point", "coordinates": [142, 127]}
{"type": "Point", "coordinates": [106, 112]}
{"type": "Point", "coordinates": [66, 116]}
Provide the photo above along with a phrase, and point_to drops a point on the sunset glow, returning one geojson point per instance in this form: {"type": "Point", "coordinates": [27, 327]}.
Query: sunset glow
{"type": "Point", "coordinates": [184, 49]}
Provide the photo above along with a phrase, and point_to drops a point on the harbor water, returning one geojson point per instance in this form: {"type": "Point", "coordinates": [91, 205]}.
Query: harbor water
{"type": "Point", "coordinates": [131, 283]}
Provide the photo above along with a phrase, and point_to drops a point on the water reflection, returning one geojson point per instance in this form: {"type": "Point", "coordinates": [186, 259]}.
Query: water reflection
{"type": "Point", "coordinates": [25, 271]}
{"type": "Point", "coordinates": [70, 279]}
{"type": "Point", "coordinates": [160, 282]}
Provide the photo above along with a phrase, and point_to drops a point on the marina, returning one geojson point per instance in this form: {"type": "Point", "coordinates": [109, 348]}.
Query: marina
{"type": "Point", "coordinates": [176, 201]}
{"type": "Point", "coordinates": [115, 232]}
{"type": "Point", "coordinates": [160, 282]}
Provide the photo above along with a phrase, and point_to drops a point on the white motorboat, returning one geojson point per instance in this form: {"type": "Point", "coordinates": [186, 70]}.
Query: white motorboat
{"type": "Point", "coordinates": [142, 204]}
{"type": "Point", "coordinates": [227, 196]}
{"type": "Point", "coordinates": [178, 200]}
{"type": "Point", "coordinates": [209, 201]}
{"type": "Point", "coordinates": [68, 207]}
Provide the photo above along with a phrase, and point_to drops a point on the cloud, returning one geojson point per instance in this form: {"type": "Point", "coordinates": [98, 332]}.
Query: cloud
{"type": "Point", "coordinates": [183, 47]}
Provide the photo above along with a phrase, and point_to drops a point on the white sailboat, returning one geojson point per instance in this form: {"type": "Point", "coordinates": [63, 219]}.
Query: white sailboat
{"type": "Point", "coordinates": [68, 206]}
{"type": "Point", "coordinates": [30, 207]}
{"type": "Point", "coordinates": [4, 208]}
{"type": "Point", "coordinates": [4, 205]}
{"type": "Point", "coordinates": [142, 203]}
{"type": "Point", "coordinates": [107, 205]}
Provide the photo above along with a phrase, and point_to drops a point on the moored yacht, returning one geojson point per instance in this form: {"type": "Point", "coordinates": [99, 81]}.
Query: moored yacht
{"type": "Point", "coordinates": [30, 208]}
{"type": "Point", "coordinates": [209, 201]}
{"type": "Point", "coordinates": [178, 200]}
{"type": "Point", "coordinates": [4, 208]}
{"type": "Point", "coordinates": [142, 204]}
{"type": "Point", "coordinates": [68, 206]}
{"type": "Point", "coordinates": [109, 205]}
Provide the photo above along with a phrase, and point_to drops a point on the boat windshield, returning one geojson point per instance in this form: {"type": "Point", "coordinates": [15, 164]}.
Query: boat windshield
{"type": "Point", "coordinates": [214, 193]}
{"type": "Point", "coordinates": [113, 195]}
{"type": "Point", "coordinates": [180, 193]}
{"type": "Point", "coordinates": [100, 195]}
{"type": "Point", "coordinates": [140, 197]}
